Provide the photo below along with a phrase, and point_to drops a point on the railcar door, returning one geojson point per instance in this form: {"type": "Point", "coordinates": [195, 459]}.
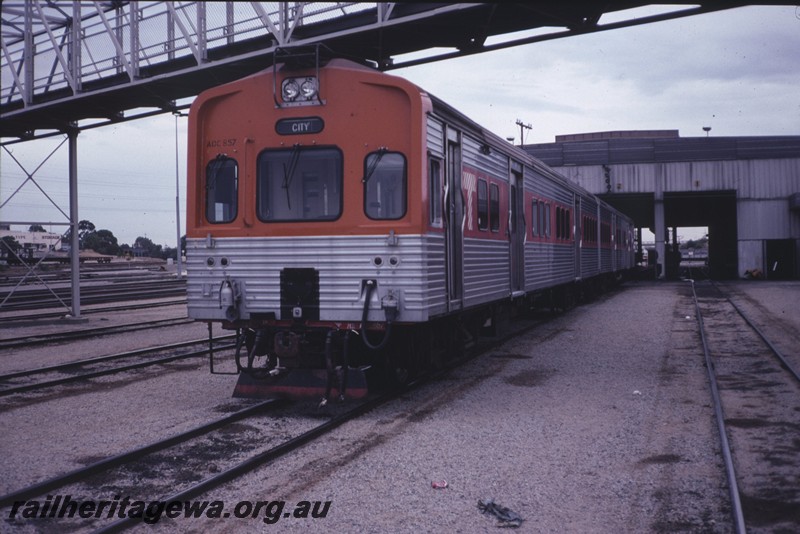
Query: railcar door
{"type": "Point", "coordinates": [516, 229]}
{"type": "Point", "coordinates": [454, 226]}
{"type": "Point", "coordinates": [578, 233]}
{"type": "Point", "coordinates": [613, 242]}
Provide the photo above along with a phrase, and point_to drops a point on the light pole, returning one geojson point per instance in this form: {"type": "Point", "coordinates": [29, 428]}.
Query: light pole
{"type": "Point", "coordinates": [522, 128]}
{"type": "Point", "coordinates": [178, 193]}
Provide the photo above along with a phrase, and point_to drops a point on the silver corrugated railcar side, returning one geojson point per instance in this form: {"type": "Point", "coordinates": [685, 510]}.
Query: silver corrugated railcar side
{"type": "Point", "coordinates": [548, 264]}
{"type": "Point", "coordinates": [411, 268]}
{"type": "Point", "coordinates": [590, 255]}
{"type": "Point", "coordinates": [487, 263]}
{"type": "Point", "coordinates": [605, 251]}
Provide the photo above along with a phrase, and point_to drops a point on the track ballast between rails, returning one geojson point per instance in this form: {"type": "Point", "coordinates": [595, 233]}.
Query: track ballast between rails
{"type": "Point", "coordinates": [87, 374]}
{"type": "Point", "coordinates": [249, 464]}
{"type": "Point", "coordinates": [61, 337]}
{"type": "Point", "coordinates": [759, 393]}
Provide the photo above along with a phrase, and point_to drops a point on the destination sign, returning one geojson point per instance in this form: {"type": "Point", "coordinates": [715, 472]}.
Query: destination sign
{"type": "Point", "coordinates": [305, 125]}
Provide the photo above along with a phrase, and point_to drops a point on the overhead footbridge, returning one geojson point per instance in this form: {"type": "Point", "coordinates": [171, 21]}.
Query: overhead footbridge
{"type": "Point", "coordinates": [73, 64]}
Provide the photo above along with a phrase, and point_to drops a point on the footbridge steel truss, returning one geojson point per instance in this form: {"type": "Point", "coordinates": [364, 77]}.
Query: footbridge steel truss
{"type": "Point", "coordinates": [69, 63]}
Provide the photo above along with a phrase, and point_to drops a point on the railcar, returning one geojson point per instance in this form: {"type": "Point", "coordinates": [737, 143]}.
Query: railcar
{"type": "Point", "coordinates": [339, 217]}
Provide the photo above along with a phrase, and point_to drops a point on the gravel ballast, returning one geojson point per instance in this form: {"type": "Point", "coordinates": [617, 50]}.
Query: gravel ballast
{"type": "Point", "coordinates": [599, 420]}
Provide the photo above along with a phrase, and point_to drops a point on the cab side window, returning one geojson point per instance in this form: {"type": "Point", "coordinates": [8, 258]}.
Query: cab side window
{"type": "Point", "coordinates": [385, 185]}
{"type": "Point", "coordinates": [222, 189]}
{"type": "Point", "coordinates": [435, 191]}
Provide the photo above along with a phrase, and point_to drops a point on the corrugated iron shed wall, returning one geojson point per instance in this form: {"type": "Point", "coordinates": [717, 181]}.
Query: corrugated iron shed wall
{"type": "Point", "coordinates": [636, 150]}
{"type": "Point", "coordinates": [763, 171]}
{"type": "Point", "coordinates": [751, 179]}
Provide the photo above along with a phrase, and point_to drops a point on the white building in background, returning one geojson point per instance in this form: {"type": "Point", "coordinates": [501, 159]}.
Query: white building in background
{"type": "Point", "coordinates": [34, 241]}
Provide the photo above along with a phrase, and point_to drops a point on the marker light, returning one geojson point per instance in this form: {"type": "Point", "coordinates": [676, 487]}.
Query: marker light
{"type": "Point", "coordinates": [290, 89]}
{"type": "Point", "coordinates": [300, 90]}
{"type": "Point", "coordinates": [309, 88]}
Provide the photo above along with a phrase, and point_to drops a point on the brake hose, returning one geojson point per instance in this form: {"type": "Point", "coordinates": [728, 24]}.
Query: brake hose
{"type": "Point", "coordinates": [370, 286]}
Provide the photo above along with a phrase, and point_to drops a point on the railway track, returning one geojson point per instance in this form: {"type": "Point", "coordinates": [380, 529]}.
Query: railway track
{"type": "Point", "coordinates": [61, 337]}
{"type": "Point", "coordinates": [89, 311]}
{"type": "Point", "coordinates": [92, 294]}
{"type": "Point", "coordinates": [112, 462]}
{"type": "Point", "coordinates": [81, 370]}
{"type": "Point", "coordinates": [755, 389]}
{"type": "Point", "coordinates": [152, 458]}
{"type": "Point", "coordinates": [93, 276]}
{"type": "Point", "coordinates": [126, 473]}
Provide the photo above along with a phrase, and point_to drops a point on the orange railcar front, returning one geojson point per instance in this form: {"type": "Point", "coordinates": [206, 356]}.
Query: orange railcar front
{"type": "Point", "coordinates": [360, 111]}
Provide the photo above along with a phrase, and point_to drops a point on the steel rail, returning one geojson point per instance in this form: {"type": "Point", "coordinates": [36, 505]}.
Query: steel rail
{"type": "Point", "coordinates": [118, 460]}
{"type": "Point", "coordinates": [59, 337]}
{"type": "Point", "coordinates": [101, 296]}
{"type": "Point", "coordinates": [121, 285]}
{"type": "Point", "coordinates": [105, 372]}
{"type": "Point", "coordinates": [90, 276]}
{"type": "Point", "coordinates": [292, 444]}
{"type": "Point", "coordinates": [775, 351]}
{"type": "Point", "coordinates": [736, 503]}
{"type": "Point", "coordinates": [273, 453]}
{"type": "Point", "coordinates": [49, 315]}
{"type": "Point", "coordinates": [110, 357]}
{"type": "Point", "coordinates": [248, 465]}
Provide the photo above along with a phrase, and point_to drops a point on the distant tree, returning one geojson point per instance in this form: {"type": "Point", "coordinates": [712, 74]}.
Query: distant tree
{"type": "Point", "coordinates": [102, 241]}
{"type": "Point", "coordinates": [36, 228]}
{"type": "Point", "coordinates": [696, 244]}
{"type": "Point", "coordinates": [84, 228]}
{"type": "Point", "coordinates": [149, 248]}
{"type": "Point", "coordinates": [168, 252]}
{"type": "Point", "coordinates": [8, 245]}
{"type": "Point", "coordinates": [125, 250]}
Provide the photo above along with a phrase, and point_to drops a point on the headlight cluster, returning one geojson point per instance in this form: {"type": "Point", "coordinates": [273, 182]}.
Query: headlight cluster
{"type": "Point", "coordinates": [300, 89]}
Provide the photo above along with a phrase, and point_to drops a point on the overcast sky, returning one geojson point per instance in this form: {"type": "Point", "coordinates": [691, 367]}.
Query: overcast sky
{"type": "Point", "coordinates": [737, 71]}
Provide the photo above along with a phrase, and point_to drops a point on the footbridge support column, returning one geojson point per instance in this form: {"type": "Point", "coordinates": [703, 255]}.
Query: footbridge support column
{"type": "Point", "coordinates": [74, 219]}
{"type": "Point", "coordinates": [659, 222]}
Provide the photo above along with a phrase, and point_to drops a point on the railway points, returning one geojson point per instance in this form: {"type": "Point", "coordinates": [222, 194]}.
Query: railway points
{"type": "Point", "coordinates": [596, 419]}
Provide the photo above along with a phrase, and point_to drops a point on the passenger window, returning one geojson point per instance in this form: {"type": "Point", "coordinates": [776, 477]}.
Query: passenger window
{"type": "Point", "coordinates": [299, 184]}
{"type": "Point", "coordinates": [558, 222]}
{"type": "Point", "coordinates": [547, 220]}
{"type": "Point", "coordinates": [483, 205]}
{"type": "Point", "coordinates": [541, 218]}
{"type": "Point", "coordinates": [222, 188]}
{"type": "Point", "coordinates": [494, 207]}
{"type": "Point", "coordinates": [385, 185]}
{"type": "Point", "coordinates": [534, 218]}
{"type": "Point", "coordinates": [435, 178]}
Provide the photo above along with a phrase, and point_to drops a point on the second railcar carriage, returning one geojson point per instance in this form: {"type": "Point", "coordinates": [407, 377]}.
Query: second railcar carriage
{"type": "Point", "coordinates": [330, 198]}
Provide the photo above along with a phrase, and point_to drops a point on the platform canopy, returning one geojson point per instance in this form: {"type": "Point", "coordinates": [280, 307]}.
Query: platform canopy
{"type": "Point", "coordinates": [69, 64]}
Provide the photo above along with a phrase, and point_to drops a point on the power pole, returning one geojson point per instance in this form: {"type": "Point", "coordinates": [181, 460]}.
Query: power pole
{"type": "Point", "coordinates": [522, 127]}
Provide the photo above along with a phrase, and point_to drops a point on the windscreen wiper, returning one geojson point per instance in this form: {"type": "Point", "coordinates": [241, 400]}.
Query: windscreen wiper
{"type": "Point", "coordinates": [373, 166]}
{"type": "Point", "coordinates": [288, 173]}
{"type": "Point", "coordinates": [213, 172]}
